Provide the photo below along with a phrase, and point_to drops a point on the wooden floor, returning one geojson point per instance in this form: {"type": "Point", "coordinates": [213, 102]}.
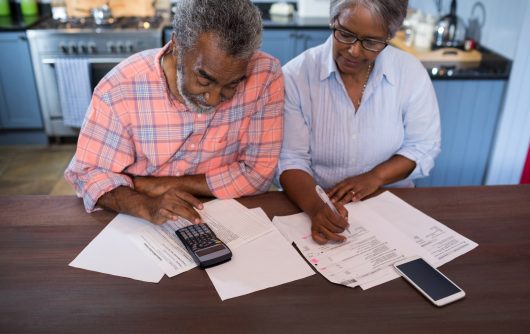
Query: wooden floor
{"type": "Point", "coordinates": [35, 170]}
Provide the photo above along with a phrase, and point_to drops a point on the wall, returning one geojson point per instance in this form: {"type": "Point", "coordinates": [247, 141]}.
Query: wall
{"type": "Point", "coordinates": [513, 132]}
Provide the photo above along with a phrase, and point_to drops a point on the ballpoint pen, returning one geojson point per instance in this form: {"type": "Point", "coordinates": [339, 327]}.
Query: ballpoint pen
{"type": "Point", "coordinates": [324, 197]}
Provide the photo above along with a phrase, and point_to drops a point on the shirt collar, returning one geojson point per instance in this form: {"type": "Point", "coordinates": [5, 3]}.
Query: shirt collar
{"type": "Point", "coordinates": [384, 66]}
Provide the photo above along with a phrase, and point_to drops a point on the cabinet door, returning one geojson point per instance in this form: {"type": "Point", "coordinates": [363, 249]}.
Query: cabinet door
{"type": "Point", "coordinates": [308, 38]}
{"type": "Point", "coordinates": [469, 112]}
{"type": "Point", "coordinates": [280, 43]}
{"type": "Point", "coordinates": [18, 101]}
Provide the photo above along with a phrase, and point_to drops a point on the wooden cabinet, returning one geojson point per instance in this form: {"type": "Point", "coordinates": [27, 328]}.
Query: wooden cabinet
{"type": "Point", "coordinates": [469, 111]}
{"type": "Point", "coordinates": [19, 106]}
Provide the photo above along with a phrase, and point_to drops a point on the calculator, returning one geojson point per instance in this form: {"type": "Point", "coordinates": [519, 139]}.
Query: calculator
{"type": "Point", "coordinates": [203, 245]}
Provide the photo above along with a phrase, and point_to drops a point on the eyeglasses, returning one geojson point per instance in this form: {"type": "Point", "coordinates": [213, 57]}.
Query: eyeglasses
{"type": "Point", "coordinates": [347, 37]}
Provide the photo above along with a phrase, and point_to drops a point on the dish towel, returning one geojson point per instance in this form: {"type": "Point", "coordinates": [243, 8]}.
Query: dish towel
{"type": "Point", "coordinates": [73, 80]}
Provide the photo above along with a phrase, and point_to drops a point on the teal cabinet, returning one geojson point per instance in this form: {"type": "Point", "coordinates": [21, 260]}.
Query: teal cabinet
{"type": "Point", "coordinates": [469, 111]}
{"type": "Point", "coordinates": [285, 44]}
{"type": "Point", "coordinates": [19, 105]}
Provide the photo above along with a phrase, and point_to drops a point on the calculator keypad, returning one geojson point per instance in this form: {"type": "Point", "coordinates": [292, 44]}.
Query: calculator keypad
{"type": "Point", "coordinates": [198, 236]}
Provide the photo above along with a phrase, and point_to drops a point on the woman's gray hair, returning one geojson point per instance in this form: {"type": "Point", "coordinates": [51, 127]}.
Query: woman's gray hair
{"type": "Point", "coordinates": [391, 12]}
{"type": "Point", "coordinates": [237, 23]}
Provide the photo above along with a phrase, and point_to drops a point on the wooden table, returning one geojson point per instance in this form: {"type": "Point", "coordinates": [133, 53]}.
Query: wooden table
{"type": "Point", "coordinates": [40, 293]}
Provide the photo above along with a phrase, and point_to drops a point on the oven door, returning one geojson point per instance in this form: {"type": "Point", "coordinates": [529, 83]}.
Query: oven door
{"type": "Point", "coordinates": [50, 102]}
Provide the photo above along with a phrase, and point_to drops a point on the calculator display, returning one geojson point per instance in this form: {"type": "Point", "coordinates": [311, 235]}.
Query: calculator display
{"type": "Point", "coordinates": [209, 250]}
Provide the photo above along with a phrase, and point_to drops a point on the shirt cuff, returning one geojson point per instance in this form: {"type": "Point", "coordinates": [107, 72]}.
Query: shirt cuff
{"type": "Point", "coordinates": [424, 163]}
{"type": "Point", "coordinates": [101, 184]}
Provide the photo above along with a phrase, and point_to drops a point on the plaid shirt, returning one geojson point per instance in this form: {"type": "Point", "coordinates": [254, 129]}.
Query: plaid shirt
{"type": "Point", "coordinates": [134, 126]}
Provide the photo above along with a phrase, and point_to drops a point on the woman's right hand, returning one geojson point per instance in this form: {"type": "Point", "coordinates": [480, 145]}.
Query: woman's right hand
{"type": "Point", "coordinates": [326, 225]}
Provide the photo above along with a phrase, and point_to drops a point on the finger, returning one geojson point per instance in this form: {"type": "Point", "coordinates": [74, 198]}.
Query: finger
{"type": "Point", "coordinates": [359, 195]}
{"type": "Point", "coordinates": [332, 236]}
{"type": "Point", "coordinates": [342, 210]}
{"type": "Point", "coordinates": [348, 197]}
{"type": "Point", "coordinates": [185, 211]}
{"type": "Point", "coordinates": [189, 198]}
{"type": "Point", "coordinates": [341, 192]}
{"type": "Point", "coordinates": [318, 237]}
{"type": "Point", "coordinates": [337, 223]}
{"type": "Point", "coordinates": [165, 215]}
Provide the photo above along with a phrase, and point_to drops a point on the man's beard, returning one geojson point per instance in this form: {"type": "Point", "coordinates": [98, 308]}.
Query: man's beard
{"type": "Point", "coordinates": [201, 106]}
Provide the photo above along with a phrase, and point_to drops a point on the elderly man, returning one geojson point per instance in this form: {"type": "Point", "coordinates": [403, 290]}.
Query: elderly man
{"type": "Point", "coordinates": [200, 117]}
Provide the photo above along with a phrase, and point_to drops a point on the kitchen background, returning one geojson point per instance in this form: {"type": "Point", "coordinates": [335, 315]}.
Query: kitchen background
{"type": "Point", "coordinates": [49, 47]}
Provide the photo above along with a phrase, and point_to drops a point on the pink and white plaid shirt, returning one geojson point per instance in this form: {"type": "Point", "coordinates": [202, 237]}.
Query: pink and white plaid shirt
{"type": "Point", "coordinates": [134, 126]}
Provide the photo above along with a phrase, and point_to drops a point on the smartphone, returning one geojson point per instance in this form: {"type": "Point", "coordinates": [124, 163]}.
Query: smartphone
{"type": "Point", "coordinates": [434, 285]}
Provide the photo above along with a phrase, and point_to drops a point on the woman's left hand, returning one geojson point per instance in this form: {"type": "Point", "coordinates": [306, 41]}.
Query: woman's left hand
{"type": "Point", "coordinates": [355, 188]}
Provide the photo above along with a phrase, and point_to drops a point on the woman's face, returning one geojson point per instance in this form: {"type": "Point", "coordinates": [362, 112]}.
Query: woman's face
{"type": "Point", "coordinates": [353, 58]}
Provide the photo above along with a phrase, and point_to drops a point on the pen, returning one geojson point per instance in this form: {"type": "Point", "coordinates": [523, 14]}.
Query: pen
{"type": "Point", "coordinates": [323, 196]}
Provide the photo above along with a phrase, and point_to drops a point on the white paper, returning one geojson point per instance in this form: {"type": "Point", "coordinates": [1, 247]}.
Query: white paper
{"type": "Point", "coordinates": [384, 229]}
{"type": "Point", "coordinates": [439, 241]}
{"type": "Point", "coordinates": [160, 243]}
{"type": "Point", "coordinates": [229, 220]}
{"type": "Point", "coordinates": [112, 252]}
{"type": "Point", "coordinates": [266, 261]}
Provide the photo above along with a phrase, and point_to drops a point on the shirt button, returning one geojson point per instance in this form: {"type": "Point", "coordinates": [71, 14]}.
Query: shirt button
{"type": "Point", "coordinates": [192, 145]}
{"type": "Point", "coordinates": [199, 116]}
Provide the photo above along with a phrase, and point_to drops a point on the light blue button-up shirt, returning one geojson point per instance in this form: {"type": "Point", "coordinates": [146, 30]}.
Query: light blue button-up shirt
{"type": "Point", "coordinates": [328, 139]}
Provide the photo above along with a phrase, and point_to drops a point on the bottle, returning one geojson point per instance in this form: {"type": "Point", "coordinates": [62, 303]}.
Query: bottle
{"type": "Point", "coordinates": [4, 8]}
{"type": "Point", "coordinates": [28, 7]}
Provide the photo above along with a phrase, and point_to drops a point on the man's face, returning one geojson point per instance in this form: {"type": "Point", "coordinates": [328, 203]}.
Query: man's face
{"type": "Point", "coordinates": [206, 75]}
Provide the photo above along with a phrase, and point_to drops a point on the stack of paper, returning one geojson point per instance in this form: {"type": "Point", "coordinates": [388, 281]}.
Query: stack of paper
{"type": "Point", "coordinates": [384, 230]}
{"type": "Point", "coordinates": [134, 248]}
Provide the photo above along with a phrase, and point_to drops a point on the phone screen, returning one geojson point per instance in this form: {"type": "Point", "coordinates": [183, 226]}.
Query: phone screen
{"type": "Point", "coordinates": [428, 279]}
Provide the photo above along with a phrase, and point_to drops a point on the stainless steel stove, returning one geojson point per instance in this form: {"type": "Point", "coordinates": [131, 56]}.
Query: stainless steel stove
{"type": "Point", "coordinates": [104, 45]}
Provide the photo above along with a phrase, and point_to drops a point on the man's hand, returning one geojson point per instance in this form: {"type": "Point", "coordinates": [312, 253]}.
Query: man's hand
{"type": "Point", "coordinates": [152, 185]}
{"type": "Point", "coordinates": [326, 225]}
{"type": "Point", "coordinates": [355, 188]}
{"type": "Point", "coordinates": [170, 205]}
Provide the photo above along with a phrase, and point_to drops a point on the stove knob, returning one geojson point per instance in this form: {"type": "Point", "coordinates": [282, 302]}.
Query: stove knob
{"type": "Point", "coordinates": [74, 49]}
{"type": "Point", "coordinates": [63, 48]}
{"type": "Point", "coordinates": [92, 48]}
{"type": "Point", "coordinates": [129, 46]}
{"type": "Point", "coordinates": [120, 47]}
{"type": "Point", "coordinates": [83, 48]}
{"type": "Point", "coordinates": [111, 47]}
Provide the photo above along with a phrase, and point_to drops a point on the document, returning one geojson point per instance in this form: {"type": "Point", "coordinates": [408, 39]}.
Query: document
{"type": "Point", "coordinates": [441, 243]}
{"type": "Point", "coordinates": [266, 261]}
{"type": "Point", "coordinates": [384, 229]}
{"type": "Point", "coordinates": [111, 252]}
{"type": "Point", "coordinates": [230, 221]}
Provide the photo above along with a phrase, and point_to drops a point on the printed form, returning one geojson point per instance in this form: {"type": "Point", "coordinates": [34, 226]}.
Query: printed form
{"type": "Point", "coordinates": [384, 230]}
{"type": "Point", "coordinates": [230, 221]}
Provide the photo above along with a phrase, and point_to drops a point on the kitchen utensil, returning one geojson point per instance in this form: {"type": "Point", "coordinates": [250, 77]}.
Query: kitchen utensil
{"type": "Point", "coordinates": [102, 14]}
{"type": "Point", "coordinates": [450, 30]}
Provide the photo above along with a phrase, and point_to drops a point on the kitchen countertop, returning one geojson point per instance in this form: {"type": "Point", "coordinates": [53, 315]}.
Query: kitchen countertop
{"type": "Point", "coordinates": [492, 66]}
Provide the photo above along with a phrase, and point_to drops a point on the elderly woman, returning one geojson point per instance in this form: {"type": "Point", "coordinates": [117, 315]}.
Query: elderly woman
{"type": "Point", "coordinates": [359, 115]}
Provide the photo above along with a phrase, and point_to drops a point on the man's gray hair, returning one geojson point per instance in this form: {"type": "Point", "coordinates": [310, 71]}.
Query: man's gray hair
{"type": "Point", "coordinates": [237, 23]}
{"type": "Point", "coordinates": [391, 12]}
